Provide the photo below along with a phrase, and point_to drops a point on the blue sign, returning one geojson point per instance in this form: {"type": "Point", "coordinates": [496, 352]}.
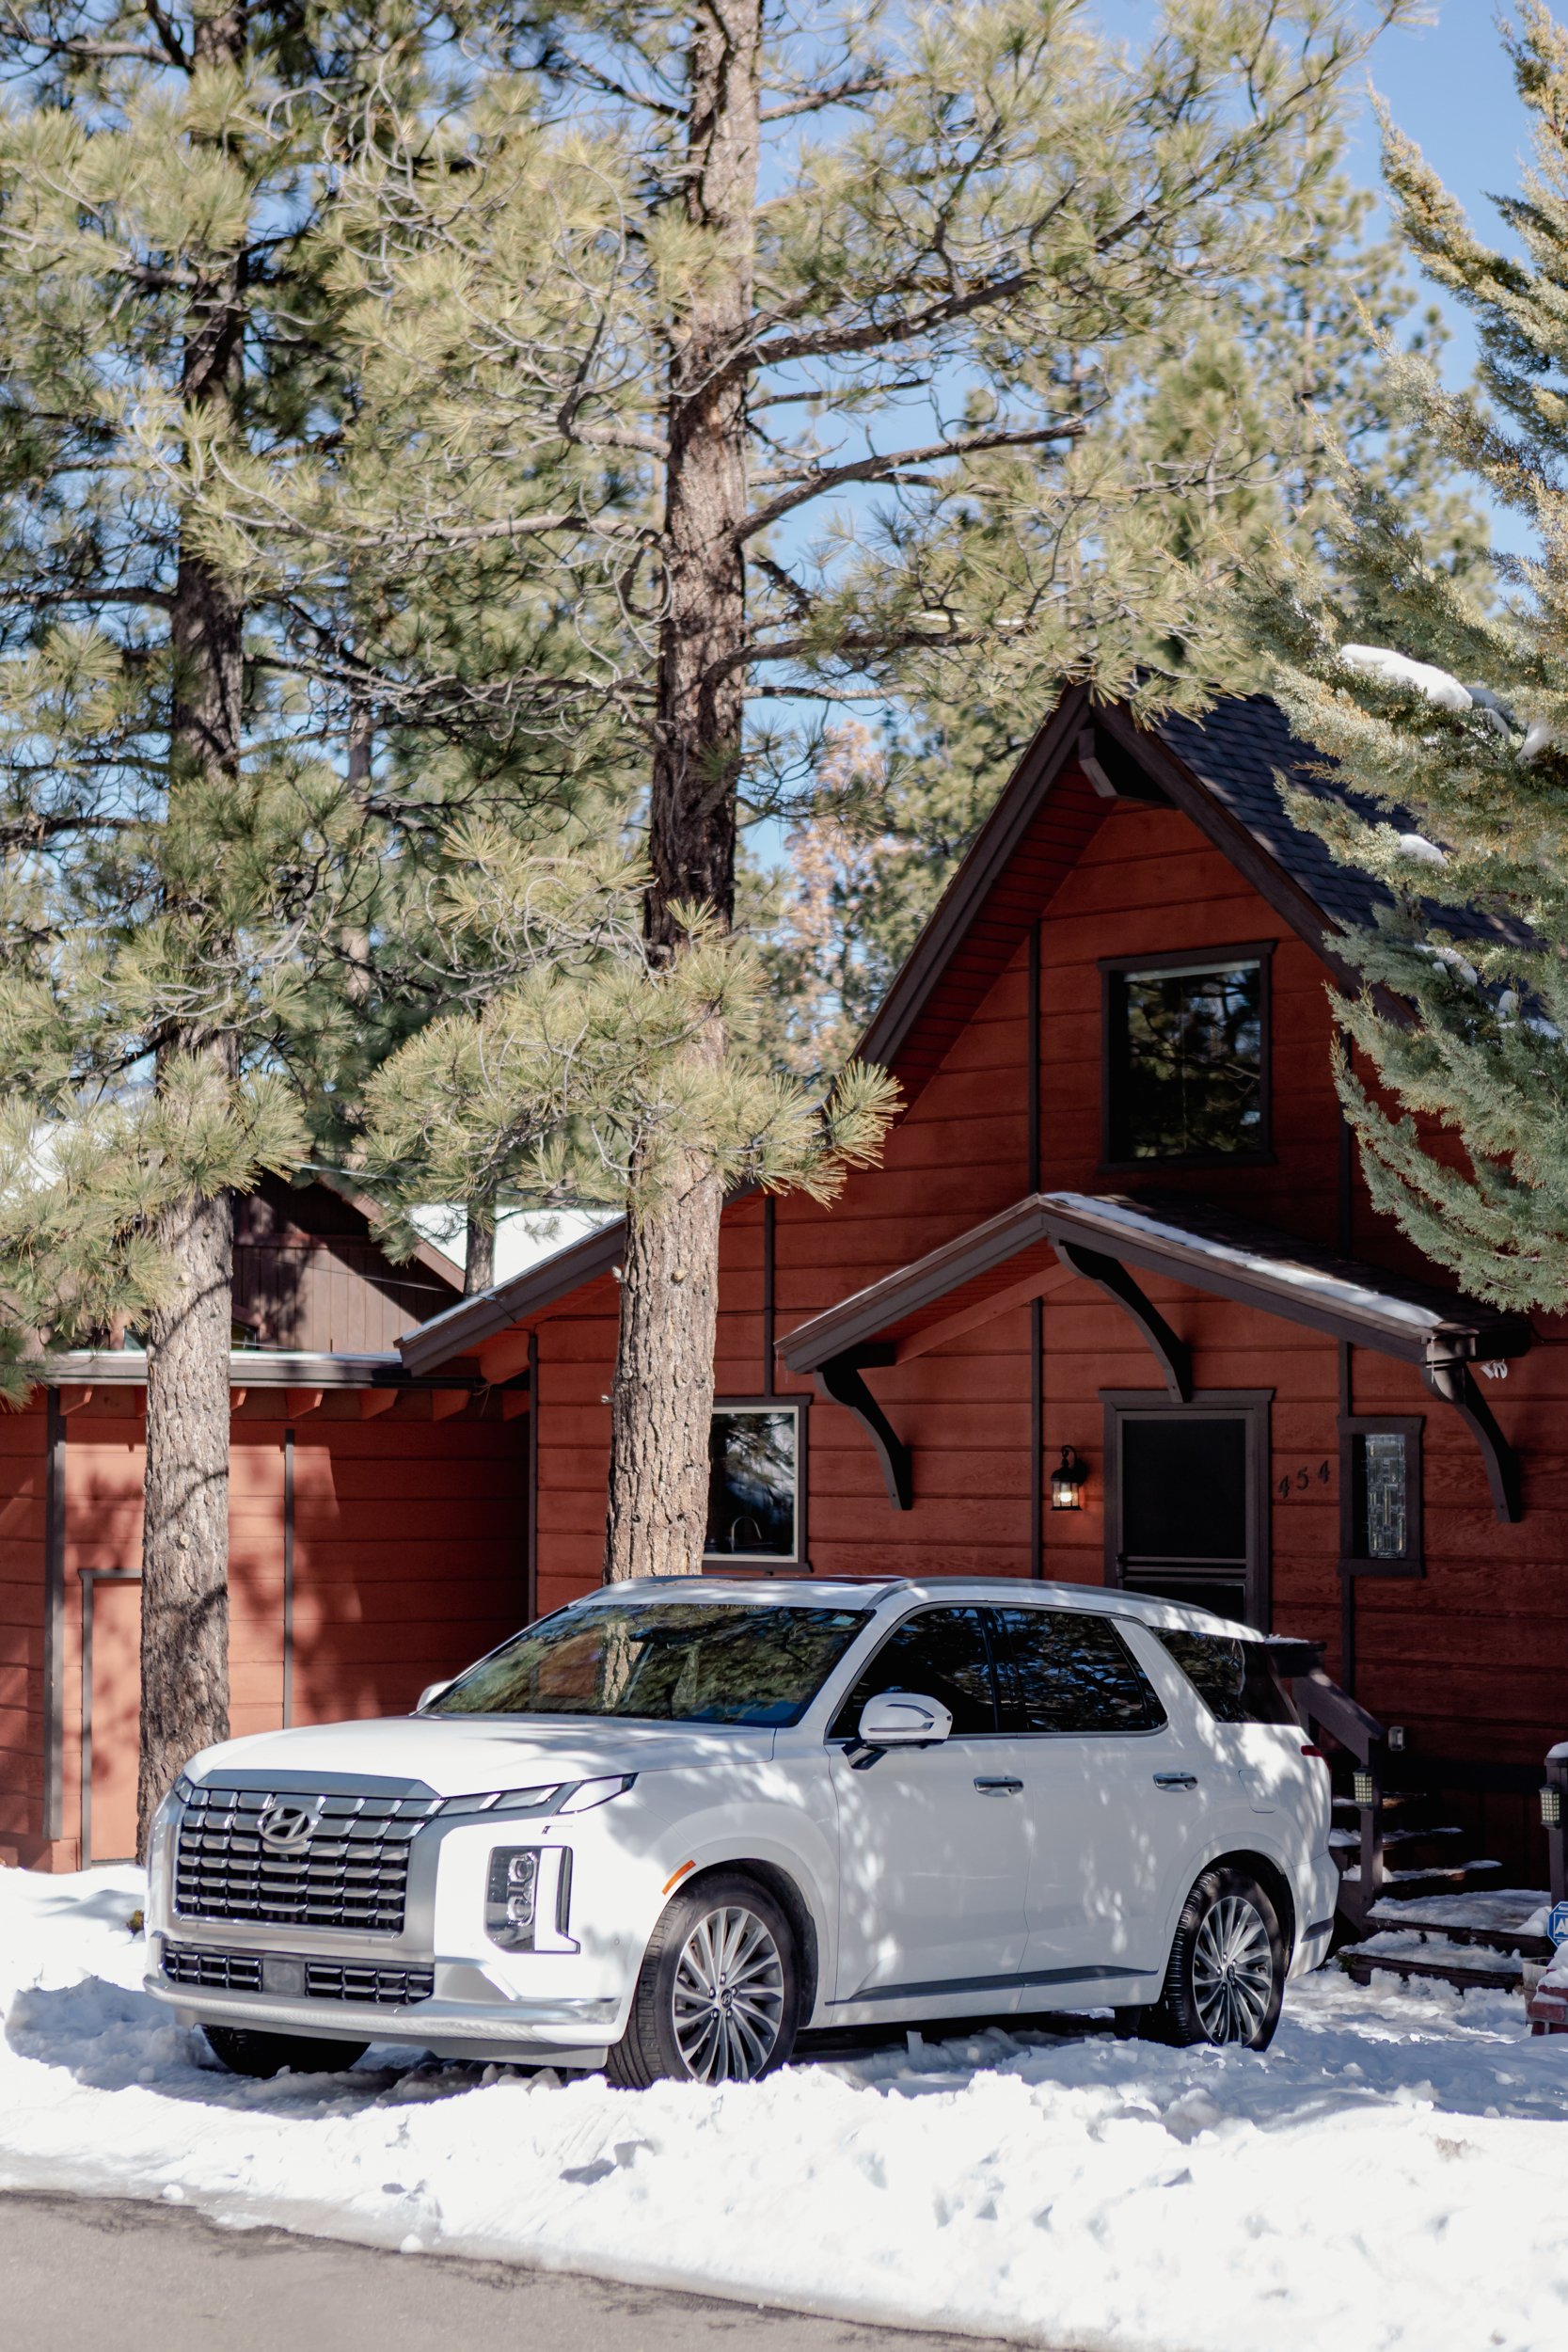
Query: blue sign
{"type": "Point", "coordinates": [1556, 1923]}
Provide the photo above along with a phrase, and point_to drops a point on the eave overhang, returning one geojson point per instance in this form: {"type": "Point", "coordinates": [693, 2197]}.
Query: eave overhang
{"type": "Point", "coordinates": [461, 1329]}
{"type": "Point", "coordinates": [1050, 1238]}
{"type": "Point", "coordinates": [248, 1368]}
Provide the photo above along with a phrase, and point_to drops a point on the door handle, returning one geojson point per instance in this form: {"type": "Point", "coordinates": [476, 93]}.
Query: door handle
{"type": "Point", "coordinates": [999, 1788]}
{"type": "Point", "coordinates": [1176, 1780]}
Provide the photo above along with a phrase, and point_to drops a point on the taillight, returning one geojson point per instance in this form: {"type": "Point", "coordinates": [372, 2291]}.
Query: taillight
{"type": "Point", "coordinates": [1308, 1750]}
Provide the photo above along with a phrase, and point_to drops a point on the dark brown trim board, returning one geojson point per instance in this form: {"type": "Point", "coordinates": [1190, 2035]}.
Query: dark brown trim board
{"type": "Point", "coordinates": [288, 1702]}
{"type": "Point", "coordinates": [1052, 748]}
{"type": "Point", "coordinates": [530, 1565]}
{"type": "Point", "coordinates": [467, 1324]}
{"type": "Point", "coordinates": [54, 1620]}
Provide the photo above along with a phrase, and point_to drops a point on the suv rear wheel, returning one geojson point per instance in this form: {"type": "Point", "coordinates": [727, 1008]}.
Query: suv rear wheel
{"type": "Point", "coordinates": [1226, 1978]}
{"type": "Point", "coordinates": [717, 1996]}
{"type": "Point", "coordinates": [264, 2054]}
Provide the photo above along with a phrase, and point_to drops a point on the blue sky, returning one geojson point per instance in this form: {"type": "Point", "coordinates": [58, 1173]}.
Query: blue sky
{"type": "Point", "coordinates": [1449, 85]}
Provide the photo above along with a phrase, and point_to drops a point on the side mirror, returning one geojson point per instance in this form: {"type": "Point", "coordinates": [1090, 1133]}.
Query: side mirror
{"type": "Point", "coordinates": [903, 1719]}
{"type": "Point", "coordinates": [431, 1693]}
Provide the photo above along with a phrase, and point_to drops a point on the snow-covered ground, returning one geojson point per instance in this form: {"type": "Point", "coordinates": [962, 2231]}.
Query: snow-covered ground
{"type": "Point", "coordinates": [1391, 2173]}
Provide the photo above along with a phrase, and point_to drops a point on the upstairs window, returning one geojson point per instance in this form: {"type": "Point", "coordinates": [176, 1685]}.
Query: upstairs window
{"type": "Point", "coordinates": [754, 1486]}
{"type": "Point", "coordinates": [1186, 1056]}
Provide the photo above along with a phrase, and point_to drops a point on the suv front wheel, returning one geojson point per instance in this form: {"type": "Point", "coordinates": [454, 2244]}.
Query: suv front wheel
{"type": "Point", "coordinates": [717, 1996]}
{"type": "Point", "coordinates": [1225, 1978]}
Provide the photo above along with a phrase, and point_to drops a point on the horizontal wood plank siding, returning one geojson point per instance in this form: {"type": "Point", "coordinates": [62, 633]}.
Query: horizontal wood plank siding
{"type": "Point", "coordinates": [1477, 1652]}
{"type": "Point", "coordinates": [410, 1546]}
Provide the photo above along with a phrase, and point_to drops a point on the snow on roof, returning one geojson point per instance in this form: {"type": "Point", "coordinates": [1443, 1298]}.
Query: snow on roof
{"type": "Point", "coordinates": [1337, 1291]}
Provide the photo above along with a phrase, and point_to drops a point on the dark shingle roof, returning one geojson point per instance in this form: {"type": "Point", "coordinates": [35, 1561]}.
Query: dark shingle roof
{"type": "Point", "coordinates": [1236, 750]}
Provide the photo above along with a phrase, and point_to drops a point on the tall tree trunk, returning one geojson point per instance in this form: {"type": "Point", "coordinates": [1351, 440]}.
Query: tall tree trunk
{"type": "Point", "coordinates": [185, 1627]}
{"type": "Point", "coordinates": [185, 1633]}
{"type": "Point", "coordinates": [662, 1401]}
{"type": "Point", "coordinates": [479, 1255]}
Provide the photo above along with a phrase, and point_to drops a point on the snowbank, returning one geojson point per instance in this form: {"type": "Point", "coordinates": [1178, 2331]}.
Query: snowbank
{"type": "Point", "coordinates": [1387, 2176]}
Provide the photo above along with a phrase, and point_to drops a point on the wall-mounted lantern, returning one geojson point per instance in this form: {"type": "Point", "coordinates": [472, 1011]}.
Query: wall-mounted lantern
{"type": "Point", "coordinates": [1067, 1480]}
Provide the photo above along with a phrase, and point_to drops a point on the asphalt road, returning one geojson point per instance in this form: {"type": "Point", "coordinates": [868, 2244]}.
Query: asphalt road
{"type": "Point", "coordinates": [79, 2274]}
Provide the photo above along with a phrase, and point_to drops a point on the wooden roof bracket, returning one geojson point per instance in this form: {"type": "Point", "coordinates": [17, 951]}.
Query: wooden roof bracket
{"type": "Point", "coordinates": [1173, 1356]}
{"type": "Point", "coordinates": [1451, 1379]}
{"type": "Point", "coordinates": [841, 1381]}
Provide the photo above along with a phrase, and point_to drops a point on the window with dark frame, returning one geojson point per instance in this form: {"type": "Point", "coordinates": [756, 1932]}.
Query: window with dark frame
{"type": "Point", "coordinates": [1380, 1494]}
{"type": "Point", "coordinates": [1186, 1056]}
{"type": "Point", "coordinates": [753, 1494]}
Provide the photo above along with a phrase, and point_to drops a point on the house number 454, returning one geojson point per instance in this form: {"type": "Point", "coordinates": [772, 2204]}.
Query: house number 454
{"type": "Point", "coordinates": [1300, 1482]}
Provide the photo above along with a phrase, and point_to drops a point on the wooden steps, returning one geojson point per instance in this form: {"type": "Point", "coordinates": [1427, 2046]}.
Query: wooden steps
{"type": "Point", "coordinates": [1483, 1939]}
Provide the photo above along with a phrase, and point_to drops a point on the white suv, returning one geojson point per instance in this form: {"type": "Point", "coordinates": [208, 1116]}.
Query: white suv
{"type": "Point", "coordinates": [679, 1821]}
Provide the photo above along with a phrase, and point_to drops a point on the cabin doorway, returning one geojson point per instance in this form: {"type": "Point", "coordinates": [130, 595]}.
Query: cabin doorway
{"type": "Point", "coordinates": [1187, 1515]}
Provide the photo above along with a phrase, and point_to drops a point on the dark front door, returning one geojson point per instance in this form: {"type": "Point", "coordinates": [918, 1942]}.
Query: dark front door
{"type": "Point", "coordinates": [1189, 1513]}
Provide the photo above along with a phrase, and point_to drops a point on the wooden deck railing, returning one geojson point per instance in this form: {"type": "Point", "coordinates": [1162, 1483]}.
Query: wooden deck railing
{"type": "Point", "coordinates": [1326, 1709]}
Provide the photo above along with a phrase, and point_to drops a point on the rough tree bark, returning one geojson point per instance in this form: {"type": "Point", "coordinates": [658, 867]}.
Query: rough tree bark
{"type": "Point", "coordinates": [479, 1256]}
{"type": "Point", "coordinates": [185, 1627]}
{"type": "Point", "coordinates": [662, 1400]}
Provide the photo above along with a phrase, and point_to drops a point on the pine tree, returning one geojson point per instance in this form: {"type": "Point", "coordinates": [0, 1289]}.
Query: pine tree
{"type": "Point", "coordinates": [1250, 419]}
{"type": "Point", "coordinates": [721, 278]}
{"type": "Point", "coordinates": [186, 860]}
{"type": "Point", "coordinates": [1447, 716]}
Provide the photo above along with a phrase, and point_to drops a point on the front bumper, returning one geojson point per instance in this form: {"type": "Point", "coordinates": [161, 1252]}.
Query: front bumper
{"type": "Point", "coordinates": [468, 2014]}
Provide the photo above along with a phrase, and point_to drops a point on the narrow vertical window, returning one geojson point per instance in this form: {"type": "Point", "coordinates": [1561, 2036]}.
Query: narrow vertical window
{"type": "Point", "coordinates": [753, 1485]}
{"type": "Point", "coordinates": [1380, 1470]}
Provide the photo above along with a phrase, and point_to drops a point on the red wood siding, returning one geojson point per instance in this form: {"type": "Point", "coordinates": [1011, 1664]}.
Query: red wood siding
{"type": "Point", "coordinates": [23, 1490]}
{"type": "Point", "coordinates": [308, 1275]}
{"type": "Point", "coordinates": [1473, 1658]}
{"type": "Point", "coordinates": [410, 1542]}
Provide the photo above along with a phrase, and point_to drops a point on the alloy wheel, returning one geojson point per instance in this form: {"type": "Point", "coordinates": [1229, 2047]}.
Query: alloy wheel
{"type": "Point", "coordinates": [729, 1996]}
{"type": "Point", "coordinates": [1232, 1970]}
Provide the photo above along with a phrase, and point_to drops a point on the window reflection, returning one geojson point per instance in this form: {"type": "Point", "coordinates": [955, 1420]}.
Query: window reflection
{"type": "Point", "coordinates": [753, 1469]}
{"type": "Point", "coordinates": [1187, 1072]}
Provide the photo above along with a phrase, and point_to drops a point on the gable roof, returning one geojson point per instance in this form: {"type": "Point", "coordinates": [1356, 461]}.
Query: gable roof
{"type": "Point", "coordinates": [1205, 1245]}
{"type": "Point", "coordinates": [1219, 770]}
{"type": "Point", "coordinates": [472, 1321]}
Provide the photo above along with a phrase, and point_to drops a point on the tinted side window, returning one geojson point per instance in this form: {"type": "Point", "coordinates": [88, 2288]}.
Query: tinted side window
{"type": "Point", "coordinates": [1235, 1679]}
{"type": "Point", "coordinates": [941, 1653]}
{"type": "Point", "coordinates": [1071, 1672]}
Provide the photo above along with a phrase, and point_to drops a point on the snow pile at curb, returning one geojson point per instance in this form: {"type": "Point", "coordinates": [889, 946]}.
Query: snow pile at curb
{"type": "Point", "coordinates": [1387, 2176]}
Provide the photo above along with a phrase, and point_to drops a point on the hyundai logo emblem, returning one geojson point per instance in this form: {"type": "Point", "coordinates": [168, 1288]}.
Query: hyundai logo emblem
{"type": "Point", "coordinates": [285, 1826]}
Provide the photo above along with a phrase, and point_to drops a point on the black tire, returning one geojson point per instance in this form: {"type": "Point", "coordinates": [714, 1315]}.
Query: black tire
{"type": "Point", "coordinates": [264, 2054]}
{"type": "Point", "coordinates": [725, 1936]}
{"type": "Point", "coordinates": [1225, 1981]}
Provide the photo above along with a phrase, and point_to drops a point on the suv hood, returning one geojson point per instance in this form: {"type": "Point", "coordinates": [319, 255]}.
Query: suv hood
{"type": "Point", "coordinates": [458, 1755]}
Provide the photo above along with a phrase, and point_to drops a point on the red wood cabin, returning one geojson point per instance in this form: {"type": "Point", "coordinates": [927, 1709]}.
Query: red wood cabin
{"type": "Point", "coordinates": [354, 1489]}
{"type": "Point", "coordinates": [1117, 1260]}
{"type": "Point", "coordinates": [1278, 1407]}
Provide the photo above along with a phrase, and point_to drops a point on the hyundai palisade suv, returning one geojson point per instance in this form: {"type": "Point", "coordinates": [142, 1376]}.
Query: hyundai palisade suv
{"type": "Point", "coordinates": [674, 1824]}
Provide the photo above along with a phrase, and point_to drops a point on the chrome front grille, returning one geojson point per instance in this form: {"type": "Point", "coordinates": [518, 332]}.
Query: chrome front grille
{"type": "Point", "coordinates": [348, 1870]}
{"type": "Point", "coordinates": [324, 1980]}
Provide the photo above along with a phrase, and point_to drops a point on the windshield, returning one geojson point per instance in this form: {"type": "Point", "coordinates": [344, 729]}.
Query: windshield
{"type": "Point", "coordinates": [668, 1663]}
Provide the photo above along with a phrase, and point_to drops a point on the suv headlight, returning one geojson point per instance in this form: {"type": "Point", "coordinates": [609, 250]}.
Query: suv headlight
{"type": "Point", "coordinates": [570, 1796]}
{"type": "Point", "coordinates": [527, 1899]}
